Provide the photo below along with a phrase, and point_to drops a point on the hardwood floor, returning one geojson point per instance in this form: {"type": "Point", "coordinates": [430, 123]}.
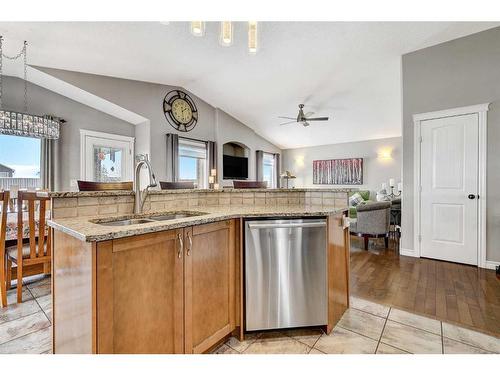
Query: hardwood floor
{"type": "Point", "coordinates": [452, 292]}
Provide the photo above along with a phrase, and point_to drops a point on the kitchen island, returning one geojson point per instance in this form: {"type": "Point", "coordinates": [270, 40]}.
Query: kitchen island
{"type": "Point", "coordinates": [173, 285]}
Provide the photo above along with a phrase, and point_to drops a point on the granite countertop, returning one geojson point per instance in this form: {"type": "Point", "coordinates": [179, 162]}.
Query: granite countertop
{"type": "Point", "coordinates": [86, 229]}
{"type": "Point", "coordinates": [107, 193]}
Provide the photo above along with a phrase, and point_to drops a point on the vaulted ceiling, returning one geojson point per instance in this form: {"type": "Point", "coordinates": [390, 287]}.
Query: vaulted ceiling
{"type": "Point", "coordinates": [350, 71]}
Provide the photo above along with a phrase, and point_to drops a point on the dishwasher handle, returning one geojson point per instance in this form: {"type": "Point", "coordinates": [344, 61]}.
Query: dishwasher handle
{"type": "Point", "coordinates": [318, 224]}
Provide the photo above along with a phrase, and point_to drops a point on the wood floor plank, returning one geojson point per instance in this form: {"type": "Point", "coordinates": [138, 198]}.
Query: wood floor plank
{"type": "Point", "coordinates": [458, 293]}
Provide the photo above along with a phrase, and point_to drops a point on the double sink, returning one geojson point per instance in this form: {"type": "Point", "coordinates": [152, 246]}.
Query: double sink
{"type": "Point", "coordinates": [149, 219]}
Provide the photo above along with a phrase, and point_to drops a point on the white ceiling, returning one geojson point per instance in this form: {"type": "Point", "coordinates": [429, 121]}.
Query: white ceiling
{"type": "Point", "coordinates": [350, 71]}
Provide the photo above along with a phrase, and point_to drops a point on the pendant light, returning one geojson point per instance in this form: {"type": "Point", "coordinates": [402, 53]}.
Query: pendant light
{"type": "Point", "coordinates": [226, 33]}
{"type": "Point", "coordinates": [252, 37]}
{"type": "Point", "coordinates": [23, 123]}
{"type": "Point", "coordinates": [198, 28]}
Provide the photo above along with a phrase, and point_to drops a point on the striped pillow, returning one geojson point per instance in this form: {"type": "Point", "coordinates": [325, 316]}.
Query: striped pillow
{"type": "Point", "coordinates": [355, 199]}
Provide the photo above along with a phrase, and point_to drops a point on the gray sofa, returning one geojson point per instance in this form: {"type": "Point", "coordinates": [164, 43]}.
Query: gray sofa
{"type": "Point", "coordinates": [373, 221]}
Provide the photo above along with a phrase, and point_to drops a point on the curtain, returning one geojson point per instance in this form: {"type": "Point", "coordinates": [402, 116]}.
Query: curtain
{"type": "Point", "coordinates": [259, 168]}
{"type": "Point", "coordinates": [49, 164]}
{"type": "Point", "coordinates": [172, 157]}
{"type": "Point", "coordinates": [277, 171]}
{"type": "Point", "coordinates": [212, 157]}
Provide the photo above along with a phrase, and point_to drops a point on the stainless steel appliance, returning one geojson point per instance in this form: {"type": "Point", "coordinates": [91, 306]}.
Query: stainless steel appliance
{"type": "Point", "coordinates": [285, 273]}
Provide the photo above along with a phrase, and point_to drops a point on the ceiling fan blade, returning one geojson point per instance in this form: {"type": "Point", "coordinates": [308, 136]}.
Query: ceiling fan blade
{"type": "Point", "coordinates": [309, 114]}
{"type": "Point", "coordinates": [317, 119]}
{"type": "Point", "coordinates": [287, 118]}
{"type": "Point", "coordinates": [289, 122]}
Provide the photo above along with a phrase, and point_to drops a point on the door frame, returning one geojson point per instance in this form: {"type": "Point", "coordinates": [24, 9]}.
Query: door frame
{"type": "Point", "coordinates": [84, 134]}
{"type": "Point", "coordinates": [481, 110]}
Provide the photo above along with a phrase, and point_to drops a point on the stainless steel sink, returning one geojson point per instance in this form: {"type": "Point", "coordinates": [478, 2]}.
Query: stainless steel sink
{"type": "Point", "coordinates": [173, 216]}
{"type": "Point", "coordinates": [117, 223]}
{"type": "Point", "coordinates": [150, 219]}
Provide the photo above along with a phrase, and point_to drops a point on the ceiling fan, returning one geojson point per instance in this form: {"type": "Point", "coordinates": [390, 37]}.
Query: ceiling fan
{"type": "Point", "coordinates": [302, 118]}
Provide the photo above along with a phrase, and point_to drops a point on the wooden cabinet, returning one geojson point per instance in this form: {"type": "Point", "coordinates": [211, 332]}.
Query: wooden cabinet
{"type": "Point", "coordinates": [167, 292]}
{"type": "Point", "coordinates": [209, 275]}
{"type": "Point", "coordinates": [140, 290]}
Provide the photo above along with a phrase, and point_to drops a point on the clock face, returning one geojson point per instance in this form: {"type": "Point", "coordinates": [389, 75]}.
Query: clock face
{"type": "Point", "coordinates": [180, 110]}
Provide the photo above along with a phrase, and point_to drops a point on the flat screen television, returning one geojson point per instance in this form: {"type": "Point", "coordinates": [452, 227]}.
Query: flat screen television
{"type": "Point", "coordinates": [235, 167]}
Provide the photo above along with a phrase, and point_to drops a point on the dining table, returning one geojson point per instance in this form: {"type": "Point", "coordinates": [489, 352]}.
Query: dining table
{"type": "Point", "coordinates": [11, 228]}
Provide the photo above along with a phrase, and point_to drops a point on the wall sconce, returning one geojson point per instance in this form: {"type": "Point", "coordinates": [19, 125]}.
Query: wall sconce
{"type": "Point", "coordinates": [299, 161]}
{"type": "Point", "coordinates": [385, 154]}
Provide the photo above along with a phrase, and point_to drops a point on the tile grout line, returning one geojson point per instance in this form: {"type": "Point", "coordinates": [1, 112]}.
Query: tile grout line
{"type": "Point", "coordinates": [27, 334]}
{"type": "Point", "coordinates": [442, 337]}
{"type": "Point", "coordinates": [421, 329]}
{"type": "Point", "coordinates": [383, 329]}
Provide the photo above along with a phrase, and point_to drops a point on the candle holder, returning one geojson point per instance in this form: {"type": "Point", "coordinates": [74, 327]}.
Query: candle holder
{"type": "Point", "coordinates": [393, 195]}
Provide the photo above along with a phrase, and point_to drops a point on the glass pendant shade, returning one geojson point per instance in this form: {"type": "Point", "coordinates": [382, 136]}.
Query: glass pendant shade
{"type": "Point", "coordinates": [22, 123]}
{"type": "Point", "coordinates": [226, 33]}
{"type": "Point", "coordinates": [198, 28]}
{"type": "Point", "coordinates": [26, 125]}
{"type": "Point", "coordinates": [252, 37]}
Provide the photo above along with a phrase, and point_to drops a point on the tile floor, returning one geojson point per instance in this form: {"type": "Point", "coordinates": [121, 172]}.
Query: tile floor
{"type": "Point", "coordinates": [366, 327]}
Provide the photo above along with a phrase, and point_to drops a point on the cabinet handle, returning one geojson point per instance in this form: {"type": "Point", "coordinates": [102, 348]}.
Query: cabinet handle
{"type": "Point", "coordinates": [181, 246]}
{"type": "Point", "coordinates": [190, 239]}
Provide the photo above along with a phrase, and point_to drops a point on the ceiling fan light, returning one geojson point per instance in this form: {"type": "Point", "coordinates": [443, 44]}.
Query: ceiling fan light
{"type": "Point", "coordinates": [252, 37]}
{"type": "Point", "coordinates": [226, 33]}
{"type": "Point", "coordinates": [198, 28]}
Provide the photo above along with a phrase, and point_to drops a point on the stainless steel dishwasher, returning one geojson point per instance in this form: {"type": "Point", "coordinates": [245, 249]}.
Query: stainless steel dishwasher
{"type": "Point", "coordinates": [285, 273]}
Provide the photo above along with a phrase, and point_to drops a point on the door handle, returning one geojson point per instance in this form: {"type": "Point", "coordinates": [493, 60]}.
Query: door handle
{"type": "Point", "coordinates": [190, 246]}
{"type": "Point", "coordinates": [471, 196]}
{"type": "Point", "coordinates": [181, 246]}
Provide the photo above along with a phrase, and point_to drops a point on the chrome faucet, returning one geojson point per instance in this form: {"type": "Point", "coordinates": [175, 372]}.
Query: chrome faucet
{"type": "Point", "coordinates": [140, 196]}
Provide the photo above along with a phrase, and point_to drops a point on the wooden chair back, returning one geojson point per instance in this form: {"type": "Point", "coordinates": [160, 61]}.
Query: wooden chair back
{"type": "Point", "coordinates": [4, 202]}
{"type": "Point", "coordinates": [250, 184]}
{"type": "Point", "coordinates": [99, 186]}
{"type": "Point", "coordinates": [176, 185]}
{"type": "Point", "coordinates": [40, 251]}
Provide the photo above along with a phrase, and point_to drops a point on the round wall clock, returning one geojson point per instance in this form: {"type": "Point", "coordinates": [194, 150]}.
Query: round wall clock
{"type": "Point", "coordinates": [180, 110]}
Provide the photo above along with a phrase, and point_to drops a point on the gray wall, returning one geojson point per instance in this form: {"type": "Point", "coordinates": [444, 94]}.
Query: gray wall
{"type": "Point", "coordinates": [375, 171]}
{"type": "Point", "coordinates": [458, 73]}
{"type": "Point", "coordinates": [231, 130]}
{"type": "Point", "coordinates": [146, 99]}
{"type": "Point", "coordinates": [77, 115]}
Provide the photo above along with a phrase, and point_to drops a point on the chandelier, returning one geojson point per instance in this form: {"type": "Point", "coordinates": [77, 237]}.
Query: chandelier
{"type": "Point", "coordinates": [226, 33]}
{"type": "Point", "coordinates": [22, 123]}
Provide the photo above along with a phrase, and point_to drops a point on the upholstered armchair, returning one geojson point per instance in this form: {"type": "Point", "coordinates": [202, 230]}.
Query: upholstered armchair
{"type": "Point", "coordinates": [373, 221]}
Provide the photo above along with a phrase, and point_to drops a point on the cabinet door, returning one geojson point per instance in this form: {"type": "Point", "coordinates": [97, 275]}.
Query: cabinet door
{"type": "Point", "coordinates": [210, 306]}
{"type": "Point", "coordinates": [140, 294]}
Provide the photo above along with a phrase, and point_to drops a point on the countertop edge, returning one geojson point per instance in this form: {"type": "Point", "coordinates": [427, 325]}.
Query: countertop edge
{"type": "Point", "coordinates": [135, 230]}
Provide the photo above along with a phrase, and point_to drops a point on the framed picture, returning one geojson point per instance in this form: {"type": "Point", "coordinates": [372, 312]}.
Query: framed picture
{"type": "Point", "coordinates": [338, 172]}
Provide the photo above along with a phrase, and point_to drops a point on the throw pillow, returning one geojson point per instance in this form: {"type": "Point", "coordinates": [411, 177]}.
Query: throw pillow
{"type": "Point", "coordinates": [355, 199]}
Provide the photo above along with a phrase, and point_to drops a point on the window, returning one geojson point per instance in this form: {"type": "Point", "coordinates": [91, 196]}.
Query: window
{"type": "Point", "coordinates": [269, 170]}
{"type": "Point", "coordinates": [193, 164]}
{"type": "Point", "coordinates": [106, 157]}
{"type": "Point", "coordinates": [19, 162]}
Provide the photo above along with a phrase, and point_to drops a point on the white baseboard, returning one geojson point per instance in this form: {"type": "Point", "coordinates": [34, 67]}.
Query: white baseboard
{"type": "Point", "coordinates": [408, 252]}
{"type": "Point", "coordinates": [491, 265]}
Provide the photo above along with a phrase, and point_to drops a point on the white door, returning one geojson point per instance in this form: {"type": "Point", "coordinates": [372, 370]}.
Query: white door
{"type": "Point", "coordinates": [106, 157]}
{"type": "Point", "coordinates": [449, 196]}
